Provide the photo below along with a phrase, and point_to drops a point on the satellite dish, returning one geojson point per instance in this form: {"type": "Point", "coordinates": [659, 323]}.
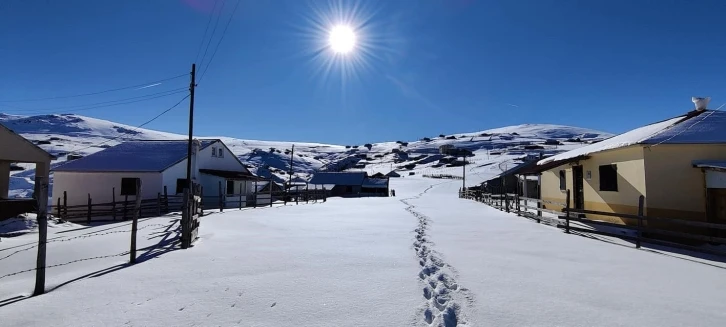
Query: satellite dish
{"type": "Point", "coordinates": [701, 103]}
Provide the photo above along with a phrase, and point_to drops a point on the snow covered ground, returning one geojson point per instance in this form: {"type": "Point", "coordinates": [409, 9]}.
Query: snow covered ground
{"type": "Point", "coordinates": [423, 258]}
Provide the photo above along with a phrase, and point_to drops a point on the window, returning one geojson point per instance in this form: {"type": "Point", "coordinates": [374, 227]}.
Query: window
{"type": "Point", "coordinates": [609, 178]}
{"type": "Point", "coordinates": [220, 153]}
{"type": "Point", "coordinates": [181, 183]}
{"type": "Point", "coordinates": [214, 151]}
{"type": "Point", "coordinates": [230, 187]}
{"type": "Point", "coordinates": [563, 180]}
{"type": "Point", "coordinates": [128, 186]}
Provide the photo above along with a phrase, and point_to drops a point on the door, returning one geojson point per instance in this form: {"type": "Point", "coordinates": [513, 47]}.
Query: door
{"type": "Point", "coordinates": [579, 188]}
{"type": "Point", "coordinates": [717, 209]}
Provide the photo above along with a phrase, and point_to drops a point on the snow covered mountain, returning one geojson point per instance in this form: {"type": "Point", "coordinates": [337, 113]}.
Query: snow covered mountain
{"type": "Point", "coordinates": [491, 150]}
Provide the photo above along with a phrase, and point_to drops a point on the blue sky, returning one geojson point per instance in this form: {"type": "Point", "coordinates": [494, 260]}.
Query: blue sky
{"type": "Point", "coordinates": [422, 67]}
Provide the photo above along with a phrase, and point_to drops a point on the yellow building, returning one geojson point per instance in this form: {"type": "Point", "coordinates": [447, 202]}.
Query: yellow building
{"type": "Point", "coordinates": [678, 165]}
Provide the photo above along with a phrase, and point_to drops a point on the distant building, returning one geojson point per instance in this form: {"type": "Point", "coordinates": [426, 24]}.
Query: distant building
{"type": "Point", "coordinates": [350, 184]}
{"type": "Point", "coordinates": [445, 149]}
{"type": "Point", "coordinates": [393, 173]}
{"type": "Point", "coordinates": [112, 173]}
{"type": "Point", "coordinates": [16, 148]}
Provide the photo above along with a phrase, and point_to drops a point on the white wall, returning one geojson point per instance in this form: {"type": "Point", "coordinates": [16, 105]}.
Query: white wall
{"type": "Point", "coordinates": [227, 162]}
{"type": "Point", "coordinates": [171, 174]}
{"type": "Point", "coordinates": [100, 185]}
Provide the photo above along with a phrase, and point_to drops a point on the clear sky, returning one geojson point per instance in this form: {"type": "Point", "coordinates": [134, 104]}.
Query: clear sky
{"type": "Point", "coordinates": [419, 67]}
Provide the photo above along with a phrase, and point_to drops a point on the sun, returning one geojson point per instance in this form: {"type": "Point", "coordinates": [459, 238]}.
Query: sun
{"type": "Point", "coordinates": [341, 39]}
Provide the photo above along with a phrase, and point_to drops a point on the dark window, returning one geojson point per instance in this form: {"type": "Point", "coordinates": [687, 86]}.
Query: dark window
{"type": "Point", "coordinates": [220, 153]}
{"type": "Point", "coordinates": [563, 180]}
{"type": "Point", "coordinates": [214, 151]}
{"type": "Point", "coordinates": [230, 187]}
{"type": "Point", "coordinates": [181, 183]}
{"type": "Point", "coordinates": [609, 178]}
{"type": "Point", "coordinates": [128, 186]}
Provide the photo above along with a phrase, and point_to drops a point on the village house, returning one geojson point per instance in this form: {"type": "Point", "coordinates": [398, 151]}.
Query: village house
{"type": "Point", "coordinates": [17, 149]}
{"type": "Point", "coordinates": [111, 174]}
{"type": "Point", "coordinates": [350, 184]}
{"type": "Point", "coordinates": [678, 165]}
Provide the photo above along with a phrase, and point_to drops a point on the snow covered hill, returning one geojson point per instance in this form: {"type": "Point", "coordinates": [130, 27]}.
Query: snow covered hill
{"type": "Point", "coordinates": [491, 150]}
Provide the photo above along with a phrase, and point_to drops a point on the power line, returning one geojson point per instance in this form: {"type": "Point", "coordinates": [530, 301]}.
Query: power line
{"type": "Point", "coordinates": [99, 92]}
{"type": "Point", "coordinates": [211, 36]}
{"type": "Point", "coordinates": [135, 129]}
{"type": "Point", "coordinates": [220, 41]}
{"type": "Point", "coordinates": [204, 36]}
{"type": "Point", "coordinates": [104, 104]}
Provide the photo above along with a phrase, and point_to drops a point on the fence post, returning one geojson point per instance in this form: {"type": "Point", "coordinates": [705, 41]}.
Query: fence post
{"type": "Point", "coordinates": [88, 215]}
{"type": "Point", "coordinates": [158, 204]}
{"type": "Point", "coordinates": [307, 193]}
{"type": "Point", "coordinates": [325, 195]}
{"type": "Point", "coordinates": [58, 208]}
{"type": "Point", "coordinates": [567, 212]}
{"type": "Point", "coordinates": [186, 217]}
{"type": "Point", "coordinates": [201, 201]}
{"type": "Point", "coordinates": [65, 204]}
{"type": "Point", "coordinates": [135, 223]}
{"type": "Point", "coordinates": [166, 200]}
{"type": "Point", "coordinates": [539, 206]}
{"type": "Point", "coordinates": [516, 203]}
{"type": "Point", "coordinates": [41, 194]}
{"type": "Point", "coordinates": [113, 202]}
{"type": "Point", "coordinates": [297, 195]}
{"type": "Point", "coordinates": [270, 191]}
{"type": "Point", "coordinates": [221, 198]}
{"type": "Point", "coordinates": [641, 203]}
{"type": "Point", "coordinates": [126, 202]}
{"type": "Point", "coordinates": [240, 196]}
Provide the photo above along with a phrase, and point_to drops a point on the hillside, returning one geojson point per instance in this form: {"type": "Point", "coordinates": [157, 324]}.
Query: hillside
{"type": "Point", "coordinates": [491, 150]}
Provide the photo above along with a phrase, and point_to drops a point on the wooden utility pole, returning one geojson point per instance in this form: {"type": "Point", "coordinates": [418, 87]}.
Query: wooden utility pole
{"type": "Point", "coordinates": [463, 177]}
{"type": "Point", "coordinates": [289, 178]}
{"type": "Point", "coordinates": [186, 228]}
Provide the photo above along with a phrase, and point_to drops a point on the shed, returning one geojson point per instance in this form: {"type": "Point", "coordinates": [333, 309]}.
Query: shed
{"type": "Point", "coordinates": [17, 149]}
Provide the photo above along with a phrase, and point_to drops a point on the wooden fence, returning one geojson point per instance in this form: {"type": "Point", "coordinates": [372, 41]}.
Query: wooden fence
{"type": "Point", "coordinates": [443, 176]}
{"type": "Point", "coordinates": [123, 209]}
{"type": "Point", "coordinates": [679, 233]}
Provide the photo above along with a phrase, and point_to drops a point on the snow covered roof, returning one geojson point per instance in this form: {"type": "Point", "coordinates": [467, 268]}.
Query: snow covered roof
{"type": "Point", "coordinates": [341, 178]}
{"type": "Point", "coordinates": [718, 164]}
{"type": "Point", "coordinates": [375, 183]}
{"type": "Point", "coordinates": [626, 139]}
{"type": "Point", "coordinates": [705, 128]}
{"type": "Point", "coordinates": [138, 156]}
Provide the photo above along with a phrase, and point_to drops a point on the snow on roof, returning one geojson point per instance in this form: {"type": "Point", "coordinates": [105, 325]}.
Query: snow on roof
{"type": "Point", "coordinates": [707, 127]}
{"type": "Point", "coordinates": [342, 178]}
{"type": "Point", "coordinates": [375, 183]}
{"type": "Point", "coordinates": [626, 139]}
{"type": "Point", "coordinates": [719, 164]}
{"type": "Point", "coordinates": [140, 156]}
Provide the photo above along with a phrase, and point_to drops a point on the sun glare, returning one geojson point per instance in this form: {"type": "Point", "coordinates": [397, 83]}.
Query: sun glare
{"type": "Point", "coordinates": [344, 39]}
{"type": "Point", "coordinates": [341, 39]}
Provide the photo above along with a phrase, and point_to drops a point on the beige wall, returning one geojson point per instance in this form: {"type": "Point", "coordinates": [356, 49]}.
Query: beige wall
{"type": "Point", "coordinates": [15, 148]}
{"type": "Point", "coordinates": [676, 189]}
{"type": "Point", "coordinates": [631, 183]}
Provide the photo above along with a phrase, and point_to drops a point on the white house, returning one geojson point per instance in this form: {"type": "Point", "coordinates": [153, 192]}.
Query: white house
{"type": "Point", "coordinates": [112, 173]}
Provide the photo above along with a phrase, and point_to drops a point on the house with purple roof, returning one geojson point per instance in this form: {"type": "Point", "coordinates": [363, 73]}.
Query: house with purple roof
{"type": "Point", "coordinates": [678, 165]}
{"type": "Point", "coordinates": [111, 174]}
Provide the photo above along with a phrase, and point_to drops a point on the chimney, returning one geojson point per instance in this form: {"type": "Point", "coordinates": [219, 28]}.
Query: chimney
{"type": "Point", "coordinates": [701, 103]}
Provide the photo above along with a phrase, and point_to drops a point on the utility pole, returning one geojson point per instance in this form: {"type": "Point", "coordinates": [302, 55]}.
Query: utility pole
{"type": "Point", "coordinates": [289, 178]}
{"type": "Point", "coordinates": [192, 85]}
{"type": "Point", "coordinates": [463, 179]}
{"type": "Point", "coordinates": [186, 218]}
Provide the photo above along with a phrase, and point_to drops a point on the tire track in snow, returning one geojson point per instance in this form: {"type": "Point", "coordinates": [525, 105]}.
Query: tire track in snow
{"type": "Point", "coordinates": [441, 291]}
